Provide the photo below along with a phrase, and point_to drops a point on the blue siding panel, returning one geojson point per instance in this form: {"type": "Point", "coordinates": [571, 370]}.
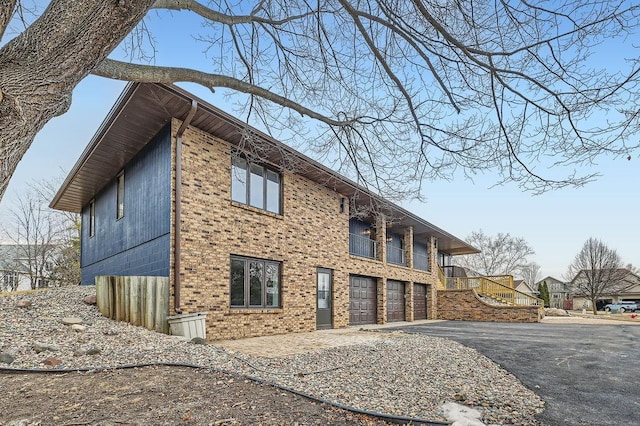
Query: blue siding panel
{"type": "Point", "coordinates": [150, 258]}
{"type": "Point", "coordinates": [138, 243]}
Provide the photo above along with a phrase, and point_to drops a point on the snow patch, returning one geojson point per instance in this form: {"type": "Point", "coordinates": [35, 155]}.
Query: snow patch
{"type": "Point", "coordinates": [461, 415]}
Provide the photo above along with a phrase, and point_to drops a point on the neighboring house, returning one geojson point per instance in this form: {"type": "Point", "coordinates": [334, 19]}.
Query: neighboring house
{"type": "Point", "coordinates": [630, 291]}
{"type": "Point", "coordinates": [14, 269]}
{"type": "Point", "coordinates": [559, 292]}
{"type": "Point", "coordinates": [523, 287]}
{"type": "Point", "coordinates": [264, 246]}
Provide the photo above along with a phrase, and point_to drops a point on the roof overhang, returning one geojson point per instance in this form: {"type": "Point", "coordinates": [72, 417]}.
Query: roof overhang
{"type": "Point", "coordinates": [143, 109]}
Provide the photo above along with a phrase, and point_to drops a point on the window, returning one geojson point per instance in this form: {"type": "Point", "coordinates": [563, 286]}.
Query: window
{"type": "Point", "coordinates": [255, 283]}
{"type": "Point", "coordinates": [120, 197]}
{"type": "Point", "coordinates": [255, 185]}
{"type": "Point", "coordinates": [92, 218]}
{"type": "Point", "coordinates": [10, 279]}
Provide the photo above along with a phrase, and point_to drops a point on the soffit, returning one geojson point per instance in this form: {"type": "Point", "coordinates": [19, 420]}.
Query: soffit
{"type": "Point", "coordinates": [143, 109]}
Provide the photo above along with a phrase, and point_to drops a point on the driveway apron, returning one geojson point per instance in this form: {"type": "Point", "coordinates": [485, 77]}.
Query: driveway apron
{"type": "Point", "coordinates": [586, 374]}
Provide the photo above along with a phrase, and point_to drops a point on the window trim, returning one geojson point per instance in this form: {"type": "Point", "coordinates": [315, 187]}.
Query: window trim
{"type": "Point", "coordinates": [247, 283]}
{"type": "Point", "coordinates": [239, 162]}
{"type": "Point", "coordinates": [120, 195]}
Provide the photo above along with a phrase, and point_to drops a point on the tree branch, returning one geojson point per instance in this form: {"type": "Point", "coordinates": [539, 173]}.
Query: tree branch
{"type": "Point", "coordinates": [222, 18]}
{"type": "Point", "coordinates": [155, 74]}
{"type": "Point", "coordinates": [6, 12]}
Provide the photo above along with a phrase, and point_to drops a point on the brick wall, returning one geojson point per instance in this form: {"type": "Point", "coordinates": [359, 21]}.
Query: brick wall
{"type": "Point", "coordinates": [465, 305]}
{"type": "Point", "coordinates": [311, 233]}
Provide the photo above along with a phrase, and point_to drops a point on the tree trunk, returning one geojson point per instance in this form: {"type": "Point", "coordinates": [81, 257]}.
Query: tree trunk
{"type": "Point", "coordinates": [594, 308]}
{"type": "Point", "coordinates": [40, 68]}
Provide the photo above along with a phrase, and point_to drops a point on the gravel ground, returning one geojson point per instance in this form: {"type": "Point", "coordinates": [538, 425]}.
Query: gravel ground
{"type": "Point", "coordinates": [407, 375]}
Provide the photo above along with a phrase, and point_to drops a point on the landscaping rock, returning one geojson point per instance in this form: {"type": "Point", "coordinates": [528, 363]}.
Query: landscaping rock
{"type": "Point", "coordinates": [39, 347]}
{"type": "Point", "coordinates": [90, 300]}
{"type": "Point", "coordinates": [93, 351]}
{"type": "Point", "coordinates": [394, 373]}
{"type": "Point", "coordinates": [71, 320]}
{"type": "Point", "coordinates": [460, 396]}
{"type": "Point", "coordinates": [6, 358]}
{"type": "Point", "coordinates": [78, 328]}
{"type": "Point", "coordinates": [198, 341]}
{"type": "Point", "coordinates": [52, 362]}
{"type": "Point", "coordinates": [555, 312]}
{"type": "Point", "coordinates": [23, 304]}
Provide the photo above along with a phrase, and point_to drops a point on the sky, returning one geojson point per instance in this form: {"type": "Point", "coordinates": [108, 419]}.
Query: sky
{"type": "Point", "coordinates": [555, 224]}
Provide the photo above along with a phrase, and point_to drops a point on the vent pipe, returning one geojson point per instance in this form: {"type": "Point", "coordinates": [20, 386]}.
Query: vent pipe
{"type": "Point", "coordinates": [178, 213]}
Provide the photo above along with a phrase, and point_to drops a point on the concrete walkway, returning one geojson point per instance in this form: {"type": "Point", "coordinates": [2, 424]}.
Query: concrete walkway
{"type": "Point", "coordinates": [297, 343]}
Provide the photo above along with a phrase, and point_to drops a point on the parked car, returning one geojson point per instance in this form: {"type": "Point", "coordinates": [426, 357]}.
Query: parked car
{"type": "Point", "coordinates": [622, 306]}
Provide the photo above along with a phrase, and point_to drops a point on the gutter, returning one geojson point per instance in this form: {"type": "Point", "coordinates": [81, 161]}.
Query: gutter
{"type": "Point", "coordinates": [178, 215]}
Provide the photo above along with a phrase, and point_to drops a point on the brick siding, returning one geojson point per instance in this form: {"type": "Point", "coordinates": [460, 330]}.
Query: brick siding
{"type": "Point", "coordinates": [311, 233]}
{"type": "Point", "coordinates": [464, 305]}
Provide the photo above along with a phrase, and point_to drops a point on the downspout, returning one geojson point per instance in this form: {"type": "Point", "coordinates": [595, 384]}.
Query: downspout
{"type": "Point", "coordinates": [178, 215]}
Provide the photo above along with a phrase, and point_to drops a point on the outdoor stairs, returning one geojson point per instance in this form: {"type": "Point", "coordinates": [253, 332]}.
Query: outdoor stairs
{"type": "Point", "coordinates": [492, 300]}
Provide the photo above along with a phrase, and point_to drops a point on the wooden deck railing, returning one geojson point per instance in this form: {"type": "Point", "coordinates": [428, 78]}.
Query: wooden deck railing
{"type": "Point", "coordinates": [499, 288]}
{"type": "Point", "coordinates": [442, 279]}
{"type": "Point", "coordinates": [506, 280]}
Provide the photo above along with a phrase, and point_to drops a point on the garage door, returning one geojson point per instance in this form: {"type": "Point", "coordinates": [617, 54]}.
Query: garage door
{"type": "Point", "coordinates": [419, 301]}
{"type": "Point", "coordinates": [395, 301]}
{"type": "Point", "coordinates": [362, 301]}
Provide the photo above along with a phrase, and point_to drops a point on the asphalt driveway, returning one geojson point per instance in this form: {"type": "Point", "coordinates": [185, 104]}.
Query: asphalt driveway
{"type": "Point", "coordinates": [586, 374]}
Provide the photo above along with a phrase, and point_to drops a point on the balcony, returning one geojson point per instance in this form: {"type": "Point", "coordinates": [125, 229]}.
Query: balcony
{"type": "Point", "coordinates": [420, 261]}
{"type": "Point", "coordinates": [396, 255]}
{"type": "Point", "coordinates": [363, 246]}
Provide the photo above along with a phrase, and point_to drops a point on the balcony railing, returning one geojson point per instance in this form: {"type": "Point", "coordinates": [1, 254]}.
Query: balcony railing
{"type": "Point", "coordinates": [396, 255]}
{"type": "Point", "coordinates": [505, 280]}
{"type": "Point", "coordinates": [442, 279]}
{"type": "Point", "coordinates": [363, 246]}
{"type": "Point", "coordinates": [420, 261]}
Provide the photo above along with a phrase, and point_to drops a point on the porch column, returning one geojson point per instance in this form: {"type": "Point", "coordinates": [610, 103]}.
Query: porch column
{"type": "Point", "coordinates": [382, 300]}
{"type": "Point", "coordinates": [408, 246]}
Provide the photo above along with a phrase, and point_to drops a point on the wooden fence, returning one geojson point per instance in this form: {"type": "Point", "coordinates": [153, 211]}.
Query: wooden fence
{"type": "Point", "coordinates": [142, 301]}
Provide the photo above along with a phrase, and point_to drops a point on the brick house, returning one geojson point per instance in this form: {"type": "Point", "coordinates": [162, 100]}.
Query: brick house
{"type": "Point", "coordinates": [264, 246]}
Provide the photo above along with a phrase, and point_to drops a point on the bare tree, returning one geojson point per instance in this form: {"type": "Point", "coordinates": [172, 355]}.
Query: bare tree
{"type": "Point", "coordinates": [47, 241]}
{"type": "Point", "coordinates": [403, 90]}
{"type": "Point", "coordinates": [530, 273]}
{"type": "Point", "coordinates": [66, 261]}
{"type": "Point", "coordinates": [597, 271]}
{"type": "Point", "coordinates": [502, 254]}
